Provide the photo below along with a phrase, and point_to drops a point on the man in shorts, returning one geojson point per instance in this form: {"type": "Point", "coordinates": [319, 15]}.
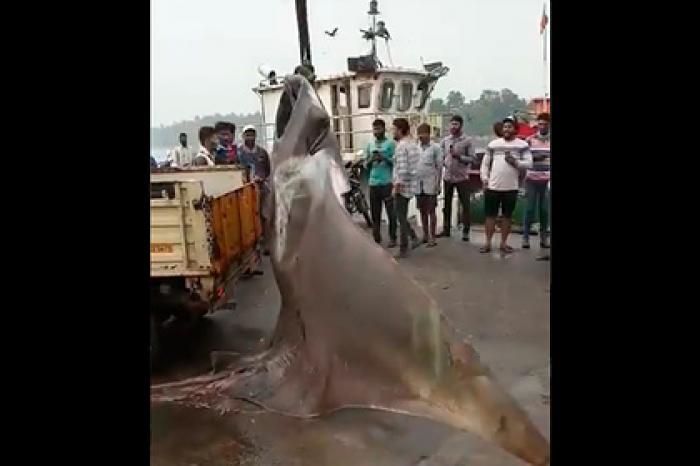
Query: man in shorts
{"type": "Point", "coordinates": [429, 178]}
{"type": "Point", "coordinates": [505, 158]}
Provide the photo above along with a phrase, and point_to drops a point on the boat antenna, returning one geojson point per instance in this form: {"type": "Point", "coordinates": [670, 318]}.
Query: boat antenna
{"type": "Point", "coordinates": [378, 29]}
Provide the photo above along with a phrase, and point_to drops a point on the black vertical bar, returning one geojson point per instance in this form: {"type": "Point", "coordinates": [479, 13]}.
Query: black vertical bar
{"type": "Point", "coordinates": [303, 26]}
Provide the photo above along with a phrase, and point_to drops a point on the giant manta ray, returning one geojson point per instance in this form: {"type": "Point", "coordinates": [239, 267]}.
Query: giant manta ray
{"type": "Point", "coordinates": [354, 330]}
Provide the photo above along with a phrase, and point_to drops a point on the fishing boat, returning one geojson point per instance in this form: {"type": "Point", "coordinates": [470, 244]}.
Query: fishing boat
{"type": "Point", "coordinates": [355, 97]}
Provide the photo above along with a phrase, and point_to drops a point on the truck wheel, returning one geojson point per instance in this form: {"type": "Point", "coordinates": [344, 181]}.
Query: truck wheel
{"type": "Point", "coordinates": [155, 343]}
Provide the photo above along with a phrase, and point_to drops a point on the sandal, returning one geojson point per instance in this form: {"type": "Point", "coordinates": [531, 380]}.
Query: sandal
{"type": "Point", "coordinates": [485, 249]}
{"type": "Point", "coordinates": [507, 249]}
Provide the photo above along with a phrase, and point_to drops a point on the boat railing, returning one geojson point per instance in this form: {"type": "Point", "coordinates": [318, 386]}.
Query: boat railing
{"type": "Point", "coordinates": [435, 120]}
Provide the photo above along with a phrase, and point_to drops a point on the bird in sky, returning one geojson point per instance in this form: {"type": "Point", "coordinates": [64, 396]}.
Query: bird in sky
{"type": "Point", "coordinates": [332, 33]}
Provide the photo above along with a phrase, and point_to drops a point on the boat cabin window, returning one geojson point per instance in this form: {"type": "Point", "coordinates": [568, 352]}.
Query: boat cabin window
{"type": "Point", "coordinates": [406, 96]}
{"type": "Point", "coordinates": [424, 94]}
{"type": "Point", "coordinates": [364, 96]}
{"type": "Point", "coordinates": [387, 94]}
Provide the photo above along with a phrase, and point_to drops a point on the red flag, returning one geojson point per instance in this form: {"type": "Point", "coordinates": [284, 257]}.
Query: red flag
{"type": "Point", "coordinates": [544, 21]}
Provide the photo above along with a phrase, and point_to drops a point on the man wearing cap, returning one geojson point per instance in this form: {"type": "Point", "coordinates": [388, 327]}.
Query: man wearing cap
{"type": "Point", "coordinates": [180, 156]}
{"type": "Point", "coordinates": [505, 158]}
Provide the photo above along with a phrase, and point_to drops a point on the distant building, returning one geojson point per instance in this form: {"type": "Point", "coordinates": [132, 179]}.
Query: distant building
{"type": "Point", "coordinates": [538, 105]}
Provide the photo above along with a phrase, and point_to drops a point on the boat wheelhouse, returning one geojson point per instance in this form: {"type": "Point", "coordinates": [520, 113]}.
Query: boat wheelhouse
{"type": "Point", "coordinates": [366, 91]}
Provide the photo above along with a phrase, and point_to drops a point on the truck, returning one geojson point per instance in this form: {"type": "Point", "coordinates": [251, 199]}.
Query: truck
{"type": "Point", "coordinates": [205, 232]}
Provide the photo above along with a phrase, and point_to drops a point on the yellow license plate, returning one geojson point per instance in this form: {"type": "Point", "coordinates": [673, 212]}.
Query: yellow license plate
{"type": "Point", "coordinates": [161, 248]}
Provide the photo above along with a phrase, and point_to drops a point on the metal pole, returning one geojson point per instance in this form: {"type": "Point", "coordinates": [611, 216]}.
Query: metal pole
{"type": "Point", "coordinates": [374, 38]}
{"type": "Point", "coordinates": [303, 26]}
{"type": "Point", "coordinates": [544, 62]}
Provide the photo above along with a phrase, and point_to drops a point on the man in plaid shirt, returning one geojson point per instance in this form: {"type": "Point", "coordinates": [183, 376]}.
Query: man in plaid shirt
{"type": "Point", "coordinates": [406, 159]}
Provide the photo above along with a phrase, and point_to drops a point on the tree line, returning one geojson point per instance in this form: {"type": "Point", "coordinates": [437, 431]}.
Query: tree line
{"type": "Point", "coordinates": [479, 116]}
{"type": "Point", "coordinates": [167, 136]}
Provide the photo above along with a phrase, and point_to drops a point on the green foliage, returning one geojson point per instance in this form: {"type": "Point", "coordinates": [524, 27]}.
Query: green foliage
{"type": "Point", "coordinates": [167, 136]}
{"type": "Point", "coordinates": [480, 115]}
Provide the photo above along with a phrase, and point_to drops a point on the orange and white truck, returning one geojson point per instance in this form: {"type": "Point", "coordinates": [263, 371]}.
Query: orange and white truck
{"type": "Point", "coordinates": [205, 232]}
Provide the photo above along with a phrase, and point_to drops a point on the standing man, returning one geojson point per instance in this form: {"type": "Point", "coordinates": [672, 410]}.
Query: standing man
{"type": "Point", "coordinates": [379, 160]}
{"type": "Point", "coordinates": [429, 179]}
{"type": "Point", "coordinates": [505, 158]}
{"type": "Point", "coordinates": [180, 156]}
{"type": "Point", "coordinates": [256, 160]}
{"type": "Point", "coordinates": [458, 152]}
{"type": "Point", "coordinates": [406, 159]}
{"type": "Point", "coordinates": [208, 143]}
{"type": "Point", "coordinates": [536, 181]}
{"type": "Point", "coordinates": [226, 149]}
{"type": "Point", "coordinates": [544, 254]}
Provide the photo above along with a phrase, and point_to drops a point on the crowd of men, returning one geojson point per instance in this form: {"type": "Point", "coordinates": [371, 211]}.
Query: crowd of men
{"type": "Point", "coordinates": [403, 168]}
{"type": "Point", "coordinates": [217, 146]}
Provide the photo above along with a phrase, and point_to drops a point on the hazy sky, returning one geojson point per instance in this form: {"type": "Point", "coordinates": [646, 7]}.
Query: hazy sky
{"type": "Point", "coordinates": [205, 53]}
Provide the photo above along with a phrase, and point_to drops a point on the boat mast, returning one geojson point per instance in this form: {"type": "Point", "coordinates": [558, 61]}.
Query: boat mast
{"type": "Point", "coordinates": [373, 12]}
{"type": "Point", "coordinates": [304, 41]}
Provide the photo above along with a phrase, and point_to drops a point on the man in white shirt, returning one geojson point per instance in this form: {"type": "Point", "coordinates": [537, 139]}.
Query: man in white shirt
{"type": "Point", "coordinates": [429, 175]}
{"type": "Point", "coordinates": [180, 156]}
{"type": "Point", "coordinates": [505, 158]}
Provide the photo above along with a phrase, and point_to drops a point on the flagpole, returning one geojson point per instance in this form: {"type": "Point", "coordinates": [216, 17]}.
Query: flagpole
{"type": "Point", "coordinates": [544, 57]}
{"type": "Point", "coordinates": [544, 69]}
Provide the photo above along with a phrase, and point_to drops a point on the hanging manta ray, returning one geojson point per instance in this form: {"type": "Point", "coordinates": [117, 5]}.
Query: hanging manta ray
{"type": "Point", "coordinates": [354, 330]}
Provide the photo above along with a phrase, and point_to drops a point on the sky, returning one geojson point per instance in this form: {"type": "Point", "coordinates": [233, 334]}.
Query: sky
{"type": "Point", "coordinates": [205, 53]}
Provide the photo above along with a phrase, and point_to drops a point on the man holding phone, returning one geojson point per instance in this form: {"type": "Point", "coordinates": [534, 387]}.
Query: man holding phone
{"type": "Point", "coordinates": [505, 158]}
{"type": "Point", "coordinates": [458, 153]}
{"type": "Point", "coordinates": [379, 160]}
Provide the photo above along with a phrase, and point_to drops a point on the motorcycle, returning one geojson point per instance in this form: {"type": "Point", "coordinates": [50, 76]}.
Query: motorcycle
{"type": "Point", "coordinates": [355, 200]}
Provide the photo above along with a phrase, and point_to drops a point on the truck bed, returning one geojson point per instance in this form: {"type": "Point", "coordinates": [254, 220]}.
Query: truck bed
{"type": "Point", "coordinates": [205, 226]}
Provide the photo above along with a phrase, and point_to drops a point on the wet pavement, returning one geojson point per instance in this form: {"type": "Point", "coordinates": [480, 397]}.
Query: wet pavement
{"type": "Point", "coordinates": [500, 304]}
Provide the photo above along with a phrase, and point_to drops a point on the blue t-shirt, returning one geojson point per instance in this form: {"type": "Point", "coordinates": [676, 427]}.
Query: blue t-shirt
{"type": "Point", "coordinates": [380, 173]}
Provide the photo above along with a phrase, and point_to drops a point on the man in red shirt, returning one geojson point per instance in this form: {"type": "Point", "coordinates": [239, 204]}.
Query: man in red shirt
{"type": "Point", "coordinates": [524, 129]}
{"type": "Point", "coordinates": [226, 152]}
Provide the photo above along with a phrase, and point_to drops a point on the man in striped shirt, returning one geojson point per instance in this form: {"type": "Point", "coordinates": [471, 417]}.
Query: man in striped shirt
{"type": "Point", "coordinates": [406, 159]}
{"type": "Point", "coordinates": [536, 181]}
